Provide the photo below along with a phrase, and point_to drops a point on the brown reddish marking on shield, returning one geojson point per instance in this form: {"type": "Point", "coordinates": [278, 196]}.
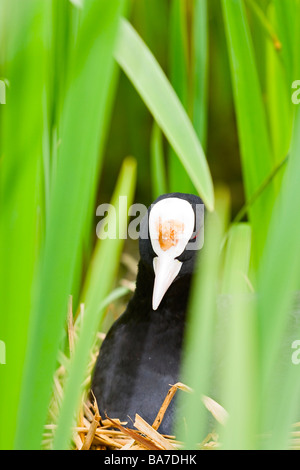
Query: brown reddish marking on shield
{"type": "Point", "coordinates": [169, 233]}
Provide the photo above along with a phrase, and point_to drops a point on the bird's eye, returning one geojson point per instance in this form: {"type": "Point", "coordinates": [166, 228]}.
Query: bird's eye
{"type": "Point", "coordinates": [195, 236]}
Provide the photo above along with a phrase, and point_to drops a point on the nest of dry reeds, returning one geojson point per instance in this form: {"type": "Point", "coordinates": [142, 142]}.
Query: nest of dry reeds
{"type": "Point", "coordinates": [97, 433]}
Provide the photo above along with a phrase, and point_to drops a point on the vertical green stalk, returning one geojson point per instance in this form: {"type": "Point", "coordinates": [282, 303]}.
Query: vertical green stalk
{"type": "Point", "coordinates": [240, 351]}
{"type": "Point", "coordinates": [191, 422]}
{"type": "Point", "coordinates": [285, 17]}
{"type": "Point", "coordinates": [278, 280]}
{"type": "Point", "coordinates": [25, 66]}
{"type": "Point", "coordinates": [200, 68]}
{"type": "Point", "coordinates": [255, 146]}
{"type": "Point", "coordinates": [158, 170]}
{"type": "Point", "coordinates": [178, 177]}
{"type": "Point", "coordinates": [89, 80]}
{"type": "Point", "coordinates": [99, 280]}
{"type": "Point", "coordinates": [279, 103]}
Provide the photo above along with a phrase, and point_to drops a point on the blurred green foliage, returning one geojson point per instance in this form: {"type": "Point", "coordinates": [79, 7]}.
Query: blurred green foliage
{"type": "Point", "coordinates": [152, 20]}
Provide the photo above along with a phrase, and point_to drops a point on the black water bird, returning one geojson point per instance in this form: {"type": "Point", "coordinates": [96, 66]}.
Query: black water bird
{"type": "Point", "coordinates": [140, 356]}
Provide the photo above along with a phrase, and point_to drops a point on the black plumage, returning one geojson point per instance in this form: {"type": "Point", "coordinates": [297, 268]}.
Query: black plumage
{"type": "Point", "coordinates": [140, 356]}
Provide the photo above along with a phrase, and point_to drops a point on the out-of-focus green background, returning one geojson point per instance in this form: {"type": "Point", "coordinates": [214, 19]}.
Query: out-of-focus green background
{"type": "Point", "coordinates": [152, 20]}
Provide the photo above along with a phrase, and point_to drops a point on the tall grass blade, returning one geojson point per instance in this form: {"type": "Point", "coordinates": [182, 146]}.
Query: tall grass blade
{"type": "Point", "coordinates": [236, 266]}
{"type": "Point", "coordinates": [148, 78]}
{"type": "Point", "coordinates": [92, 64]}
{"type": "Point", "coordinates": [25, 67]}
{"type": "Point", "coordinates": [240, 350]}
{"type": "Point", "coordinates": [99, 280]}
{"type": "Point", "coordinates": [255, 147]}
{"type": "Point", "coordinates": [279, 103]}
{"type": "Point", "coordinates": [200, 69]}
{"type": "Point", "coordinates": [158, 168]}
{"type": "Point", "coordinates": [191, 423]}
{"type": "Point", "coordinates": [179, 77]}
{"type": "Point", "coordinates": [266, 25]}
{"type": "Point", "coordinates": [296, 41]}
{"type": "Point", "coordinates": [278, 280]}
{"type": "Point", "coordinates": [285, 17]}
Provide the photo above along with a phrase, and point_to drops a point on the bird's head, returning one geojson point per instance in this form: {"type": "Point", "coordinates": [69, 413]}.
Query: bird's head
{"type": "Point", "coordinates": [172, 232]}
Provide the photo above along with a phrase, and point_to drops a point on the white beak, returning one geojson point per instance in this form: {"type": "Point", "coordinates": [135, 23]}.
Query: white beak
{"type": "Point", "coordinates": [166, 269]}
